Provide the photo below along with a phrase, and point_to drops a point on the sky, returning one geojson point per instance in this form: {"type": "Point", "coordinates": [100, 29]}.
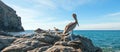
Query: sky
{"type": "Point", "coordinates": [46, 14]}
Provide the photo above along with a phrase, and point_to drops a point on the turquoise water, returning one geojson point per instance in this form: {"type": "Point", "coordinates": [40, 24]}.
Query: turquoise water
{"type": "Point", "coordinates": [108, 40]}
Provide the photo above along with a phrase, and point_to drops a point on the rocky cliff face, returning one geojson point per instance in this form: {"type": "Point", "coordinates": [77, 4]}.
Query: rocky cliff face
{"type": "Point", "coordinates": [9, 21]}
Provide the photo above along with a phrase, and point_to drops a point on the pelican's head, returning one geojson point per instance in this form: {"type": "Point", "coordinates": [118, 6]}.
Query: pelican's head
{"type": "Point", "coordinates": [75, 17]}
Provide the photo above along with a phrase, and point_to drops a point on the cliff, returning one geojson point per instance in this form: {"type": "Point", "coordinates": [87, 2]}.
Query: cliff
{"type": "Point", "coordinates": [9, 20]}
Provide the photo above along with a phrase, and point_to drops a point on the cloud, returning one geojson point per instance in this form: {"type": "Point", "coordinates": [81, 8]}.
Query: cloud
{"type": "Point", "coordinates": [29, 21]}
{"type": "Point", "coordinates": [108, 18]}
{"type": "Point", "coordinates": [38, 16]}
{"type": "Point", "coordinates": [110, 21]}
{"type": "Point", "coordinates": [71, 4]}
{"type": "Point", "coordinates": [43, 4]}
{"type": "Point", "coordinates": [26, 12]}
{"type": "Point", "coordinates": [46, 25]}
{"type": "Point", "coordinates": [101, 26]}
{"type": "Point", "coordinates": [61, 4]}
{"type": "Point", "coordinates": [114, 14]}
{"type": "Point", "coordinates": [30, 17]}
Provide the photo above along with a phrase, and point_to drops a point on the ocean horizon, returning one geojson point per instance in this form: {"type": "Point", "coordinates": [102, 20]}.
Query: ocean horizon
{"type": "Point", "coordinates": [108, 40]}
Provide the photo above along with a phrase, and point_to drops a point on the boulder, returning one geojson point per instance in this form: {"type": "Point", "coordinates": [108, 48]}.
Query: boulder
{"type": "Point", "coordinates": [62, 49]}
{"type": "Point", "coordinates": [39, 30]}
{"type": "Point", "coordinates": [79, 44]}
{"type": "Point", "coordinates": [45, 42]}
{"type": "Point", "coordinates": [46, 37]}
{"type": "Point", "coordinates": [5, 41]}
{"type": "Point", "coordinates": [23, 45]}
{"type": "Point", "coordinates": [41, 49]}
{"type": "Point", "coordinates": [9, 20]}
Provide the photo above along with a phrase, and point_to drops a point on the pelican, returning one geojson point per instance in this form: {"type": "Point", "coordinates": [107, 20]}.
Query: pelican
{"type": "Point", "coordinates": [56, 29]}
{"type": "Point", "coordinates": [69, 28]}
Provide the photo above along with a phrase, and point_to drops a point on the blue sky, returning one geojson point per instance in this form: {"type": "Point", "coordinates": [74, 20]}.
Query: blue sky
{"type": "Point", "coordinates": [46, 14]}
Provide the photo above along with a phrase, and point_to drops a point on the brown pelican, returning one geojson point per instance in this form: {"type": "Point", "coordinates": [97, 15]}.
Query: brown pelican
{"type": "Point", "coordinates": [56, 29]}
{"type": "Point", "coordinates": [69, 28]}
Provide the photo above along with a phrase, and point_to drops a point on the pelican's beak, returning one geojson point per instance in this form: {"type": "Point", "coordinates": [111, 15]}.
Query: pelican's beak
{"type": "Point", "coordinates": [77, 23]}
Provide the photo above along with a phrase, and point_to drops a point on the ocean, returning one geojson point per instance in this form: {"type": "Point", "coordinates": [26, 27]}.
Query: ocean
{"type": "Point", "coordinates": [108, 40]}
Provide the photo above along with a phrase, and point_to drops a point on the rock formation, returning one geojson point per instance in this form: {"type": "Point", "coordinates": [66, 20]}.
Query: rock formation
{"type": "Point", "coordinates": [9, 21]}
{"type": "Point", "coordinates": [45, 42]}
{"type": "Point", "coordinates": [5, 41]}
{"type": "Point", "coordinates": [39, 30]}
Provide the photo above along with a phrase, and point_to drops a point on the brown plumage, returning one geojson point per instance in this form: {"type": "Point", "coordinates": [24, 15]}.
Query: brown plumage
{"type": "Point", "coordinates": [56, 29]}
{"type": "Point", "coordinates": [71, 25]}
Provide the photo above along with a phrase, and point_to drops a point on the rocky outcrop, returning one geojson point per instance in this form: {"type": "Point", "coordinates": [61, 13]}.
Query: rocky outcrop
{"type": "Point", "coordinates": [45, 42]}
{"type": "Point", "coordinates": [5, 41]}
{"type": "Point", "coordinates": [79, 44]}
{"type": "Point", "coordinates": [39, 30]}
{"type": "Point", "coordinates": [9, 21]}
{"type": "Point", "coordinates": [24, 45]}
{"type": "Point", "coordinates": [46, 37]}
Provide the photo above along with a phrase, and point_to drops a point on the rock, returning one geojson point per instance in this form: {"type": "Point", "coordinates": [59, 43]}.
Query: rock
{"type": "Point", "coordinates": [61, 43]}
{"type": "Point", "coordinates": [5, 41]}
{"type": "Point", "coordinates": [4, 33]}
{"type": "Point", "coordinates": [46, 37]}
{"type": "Point", "coordinates": [79, 44]}
{"type": "Point", "coordinates": [9, 21]}
{"type": "Point", "coordinates": [23, 45]}
{"type": "Point", "coordinates": [41, 49]}
{"type": "Point", "coordinates": [62, 49]}
{"type": "Point", "coordinates": [45, 42]}
{"type": "Point", "coordinates": [40, 30]}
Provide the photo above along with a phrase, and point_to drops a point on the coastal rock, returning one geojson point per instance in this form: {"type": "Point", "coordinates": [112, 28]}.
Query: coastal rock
{"type": "Point", "coordinates": [9, 21]}
{"type": "Point", "coordinates": [41, 49]}
{"type": "Point", "coordinates": [79, 44]}
{"type": "Point", "coordinates": [62, 49]}
{"type": "Point", "coordinates": [4, 33]}
{"type": "Point", "coordinates": [40, 30]}
{"type": "Point", "coordinates": [45, 42]}
{"type": "Point", "coordinates": [23, 45]}
{"type": "Point", "coordinates": [5, 41]}
{"type": "Point", "coordinates": [46, 37]}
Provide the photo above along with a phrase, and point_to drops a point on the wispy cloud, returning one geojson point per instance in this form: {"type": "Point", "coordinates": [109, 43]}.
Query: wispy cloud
{"type": "Point", "coordinates": [110, 21]}
{"type": "Point", "coordinates": [63, 4]}
{"type": "Point", "coordinates": [39, 15]}
{"type": "Point", "coordinates": [101, 26]}
{"type": "Point", "coordinates": [71, 4]}
{"type": "Point", "coordinates": [26, 12]}
{"type": "Point", "coordinates": [30, 18]}
{"type": "Point", "coordinates": [29, 21]}
{"type": "Point", "coordinates": [114, 14]}
{"type": "Point", "coordinates": [110, 17]}
{"type": "Point", "coordinates": [46, 25]}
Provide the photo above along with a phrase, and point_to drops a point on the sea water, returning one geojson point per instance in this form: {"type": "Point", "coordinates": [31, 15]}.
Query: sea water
{"type": "Point", "coordinates": [108, 40]}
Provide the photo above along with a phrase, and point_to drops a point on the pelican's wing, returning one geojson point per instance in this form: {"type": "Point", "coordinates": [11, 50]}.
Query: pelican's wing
{"type": "Point", "coordinates": [68, 27]}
